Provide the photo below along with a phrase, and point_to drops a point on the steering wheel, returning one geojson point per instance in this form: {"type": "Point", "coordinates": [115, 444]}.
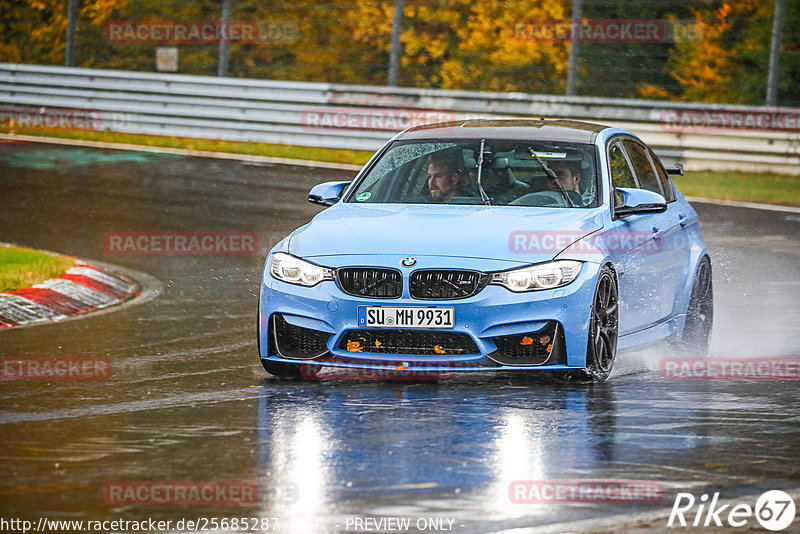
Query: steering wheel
{"type": "Point", "coordinates": [541, 198]}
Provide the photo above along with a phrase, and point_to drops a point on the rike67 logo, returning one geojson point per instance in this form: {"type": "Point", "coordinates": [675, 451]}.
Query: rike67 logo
{"type": "Point", "coordinates": [774, 510]}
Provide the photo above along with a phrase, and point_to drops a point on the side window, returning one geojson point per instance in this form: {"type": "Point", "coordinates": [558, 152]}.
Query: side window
{"type": "Point", "coordinates": [663, 177]}
{"type": "Point", "coordinates": [621, 174]}
{"type": "Point", "coordinates": [644, 169]}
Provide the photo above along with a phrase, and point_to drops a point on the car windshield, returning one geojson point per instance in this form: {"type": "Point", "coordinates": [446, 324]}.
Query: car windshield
{"type": "Point", "coordinates": [510, 173]}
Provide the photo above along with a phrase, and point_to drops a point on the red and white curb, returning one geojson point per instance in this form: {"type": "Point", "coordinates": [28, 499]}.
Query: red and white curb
{"type": "Point", "coordinates": [81, 289]}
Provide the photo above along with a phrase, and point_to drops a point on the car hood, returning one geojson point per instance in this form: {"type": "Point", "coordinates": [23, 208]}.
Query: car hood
{"type": "Point", "coordinates": [487, 232]}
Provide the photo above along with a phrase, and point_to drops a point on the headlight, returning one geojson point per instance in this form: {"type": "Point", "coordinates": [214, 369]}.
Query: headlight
{"type": "Point", "coordinates": [538, 277]}
{"type": "Point", "coordinates": [296, 271]}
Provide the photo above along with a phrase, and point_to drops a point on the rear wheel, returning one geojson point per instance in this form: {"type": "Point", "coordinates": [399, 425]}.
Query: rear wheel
{"type": "Point", "coordinates": [700, 313]}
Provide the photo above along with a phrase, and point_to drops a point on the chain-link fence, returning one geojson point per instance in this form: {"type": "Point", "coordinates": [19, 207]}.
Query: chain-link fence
{"type": "Point", "coordinates": [689, 50]}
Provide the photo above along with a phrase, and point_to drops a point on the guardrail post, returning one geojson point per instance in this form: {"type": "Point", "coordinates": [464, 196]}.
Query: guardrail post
{"type": "Point", "coordinates": [775, 54]}
{"type": "Point", "coordinates": [224, 42]}
{"type": "Point", "coordinates": [72, 16]}
{"type": "Point", "coordinates": [574, 48]}
{"type": "Point", "coordinates": [394, 54]}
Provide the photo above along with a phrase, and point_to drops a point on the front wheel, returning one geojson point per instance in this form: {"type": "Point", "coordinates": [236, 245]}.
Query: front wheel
{"type": "Point", "coordinates": [601, 349]}
{"type": "Point", "coordinates": [603, 328]}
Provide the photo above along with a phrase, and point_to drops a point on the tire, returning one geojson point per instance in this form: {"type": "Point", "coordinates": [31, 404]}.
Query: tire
{"type": "Point", "coordinates": [601, 349]}
{"type": "Point", "coordinates": [603, 327]}
{"type": "Point", "coordinates": [696, 334]}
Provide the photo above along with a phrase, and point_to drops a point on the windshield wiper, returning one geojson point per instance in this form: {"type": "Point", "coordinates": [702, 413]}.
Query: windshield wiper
{"type": "Point", "coordinates": [552, 176]}
{"type": "Point", "coordinates": [484, 196]}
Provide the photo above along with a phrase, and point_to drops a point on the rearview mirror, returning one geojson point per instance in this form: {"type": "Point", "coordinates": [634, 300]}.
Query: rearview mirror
{"type": "Point", "coordinates": [327, 194]}
{"type": "Point", "coordinates": [630, 201]}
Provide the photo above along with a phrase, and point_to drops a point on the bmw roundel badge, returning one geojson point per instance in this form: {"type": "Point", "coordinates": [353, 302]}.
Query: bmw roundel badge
{"type": "Point", "coordinates": [408, 262]}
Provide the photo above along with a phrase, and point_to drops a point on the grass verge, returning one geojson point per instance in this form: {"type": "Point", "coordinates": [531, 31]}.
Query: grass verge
{"type": "Point", "coordinates": [22, 267]}
{"type": "Point", "coordinates": [333, 155]}
{"type": "Point", "coordinates": [721, 185]}
{"type": "Point", "coordinates": [745, 186]}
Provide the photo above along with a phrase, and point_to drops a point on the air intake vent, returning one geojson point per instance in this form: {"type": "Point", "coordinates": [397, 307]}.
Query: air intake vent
{"type": "Point", "coordinates": [420, 342]}
{"type": "Point", "coordinates": [545, 346]}
{"type": "Point", "coordinates": [295, 341]}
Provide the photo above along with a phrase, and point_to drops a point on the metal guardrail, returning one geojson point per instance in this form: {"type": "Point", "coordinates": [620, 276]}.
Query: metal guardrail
{"type": "Point", "coordinates": [362, 117]}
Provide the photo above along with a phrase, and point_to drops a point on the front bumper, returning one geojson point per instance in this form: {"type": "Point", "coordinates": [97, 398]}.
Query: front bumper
{"type": "Point", "coordinates": [493, 329]}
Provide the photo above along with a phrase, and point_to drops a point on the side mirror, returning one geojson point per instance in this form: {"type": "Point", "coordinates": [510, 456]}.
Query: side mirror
{"type": "Point", "coordinates": [327, 194]}
{"type": "Point", "coordinates": [678, 169]}
{"type": "Point", "coordinates": [630, 201]}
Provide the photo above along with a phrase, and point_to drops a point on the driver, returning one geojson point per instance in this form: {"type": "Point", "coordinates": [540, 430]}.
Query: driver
{"type": "Point", "coordinates": [569, 176]}
{"type": "Point", "coordinates": [445, 175]}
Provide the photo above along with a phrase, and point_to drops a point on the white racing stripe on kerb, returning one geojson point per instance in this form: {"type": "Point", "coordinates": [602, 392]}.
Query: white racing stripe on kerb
{"type": "Point", "coordinates": [22, 310]}
{"type": "Point", "coordinates": [77, 292]}
{"type": "Point", "coordinates": [116, 283]}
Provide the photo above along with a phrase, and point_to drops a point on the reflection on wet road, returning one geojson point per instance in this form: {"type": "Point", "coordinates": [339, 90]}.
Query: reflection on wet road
{"type": "Point", "coordinates": [188, 400]}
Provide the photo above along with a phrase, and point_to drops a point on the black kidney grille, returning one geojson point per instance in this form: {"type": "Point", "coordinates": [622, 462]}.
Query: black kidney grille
{"type": "Point", "coordinates": [440, 284]}
{"type": "Point", "coordinates": [370, 282]}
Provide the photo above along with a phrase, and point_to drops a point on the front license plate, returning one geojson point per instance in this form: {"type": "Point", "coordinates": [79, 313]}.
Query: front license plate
{"type": "Point", "coordinates": [403, 317]}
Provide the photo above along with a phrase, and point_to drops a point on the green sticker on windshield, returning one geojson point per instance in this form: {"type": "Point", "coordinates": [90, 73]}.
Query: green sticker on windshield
{"type": "Point", "coordinates": [363, 196]}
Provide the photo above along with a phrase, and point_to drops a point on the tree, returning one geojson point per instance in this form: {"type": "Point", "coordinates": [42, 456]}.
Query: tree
{"type": "Point", "coordinates": [728, 61]}
{"type": "Point", "coordinates": [34, 31]}
{"type": "Point", "coordinates": [462, 44]}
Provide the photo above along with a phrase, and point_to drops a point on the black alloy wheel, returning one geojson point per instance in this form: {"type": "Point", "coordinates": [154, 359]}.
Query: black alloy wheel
{"type": "Point", "coordinates": [603, 327]}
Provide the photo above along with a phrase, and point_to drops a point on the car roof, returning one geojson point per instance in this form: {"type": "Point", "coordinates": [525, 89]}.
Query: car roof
{"type": "Point", "coordinates": [524, 129]}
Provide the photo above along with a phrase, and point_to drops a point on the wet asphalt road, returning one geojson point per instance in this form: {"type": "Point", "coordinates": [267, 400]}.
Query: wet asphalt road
{"type": "Point", "coordinates": [188, 400]}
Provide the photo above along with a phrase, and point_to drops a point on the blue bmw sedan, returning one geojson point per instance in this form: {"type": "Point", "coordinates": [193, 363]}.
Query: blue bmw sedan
{"type": "Point", "coordinates": [490, 245]}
